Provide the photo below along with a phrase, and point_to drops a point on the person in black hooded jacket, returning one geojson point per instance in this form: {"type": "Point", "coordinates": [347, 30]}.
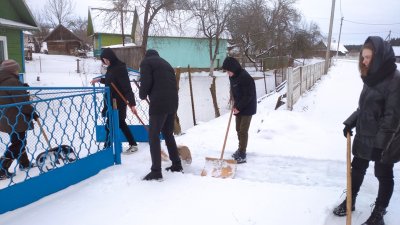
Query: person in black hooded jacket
{"type": "Point", "coordinates": [377, 120]}
{"type": "Point", "coordinates": [243, 91]}
{"type": "Point", "coordinates": [118, 75]}
{"type": "Point", "coordinates": [158, 82]}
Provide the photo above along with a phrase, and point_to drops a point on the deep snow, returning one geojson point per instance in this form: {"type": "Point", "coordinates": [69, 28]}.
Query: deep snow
{"type": "Point", "coordinates": [295, 172]}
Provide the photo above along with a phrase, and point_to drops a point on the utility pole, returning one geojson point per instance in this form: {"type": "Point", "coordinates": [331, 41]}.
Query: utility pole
{"type": "Point", "coordinates": [328, 45]}
{"type": "Point", "coordinates": [340, 33]}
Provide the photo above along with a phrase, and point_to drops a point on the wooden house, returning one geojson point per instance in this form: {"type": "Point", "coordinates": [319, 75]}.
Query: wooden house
{"type": "Point", "coordinates": [62, 41]}
{"type": "Point", "coordinates": [176, 39]}
{"type": "Point", "coordinates": [322, 46]}
{"type": "Point", "coordinates": [15, 17]}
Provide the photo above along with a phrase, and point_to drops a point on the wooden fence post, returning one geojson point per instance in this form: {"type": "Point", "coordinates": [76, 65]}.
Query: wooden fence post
{"type": "Point", "coordinates": [191, 96]}
{"type": "Point", "coordinates": [289, 90]}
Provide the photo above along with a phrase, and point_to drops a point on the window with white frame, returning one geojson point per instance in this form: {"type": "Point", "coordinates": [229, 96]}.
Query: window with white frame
{"type": "Point", "coordinates": [3, 48]}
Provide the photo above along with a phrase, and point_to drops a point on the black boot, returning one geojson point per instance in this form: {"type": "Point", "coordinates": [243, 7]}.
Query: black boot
{"type": "Point", "coordinates": [376, 217]}
{"type": "Point", "coordinates": [5, 163]}
{"type": "Point", "coordinates": [153, 175]}
{"type": "Point", "coordinates": [175, 167]}
{"type": "Point", "coordinates": [341, 210]}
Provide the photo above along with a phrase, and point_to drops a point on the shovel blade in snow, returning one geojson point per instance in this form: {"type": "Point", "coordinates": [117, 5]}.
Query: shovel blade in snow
{"type": "Point", "coordinates": [219, 168]}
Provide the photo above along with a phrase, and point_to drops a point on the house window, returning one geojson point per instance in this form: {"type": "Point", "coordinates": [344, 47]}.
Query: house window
{"type": "Point", "coordinates": [3, 48]}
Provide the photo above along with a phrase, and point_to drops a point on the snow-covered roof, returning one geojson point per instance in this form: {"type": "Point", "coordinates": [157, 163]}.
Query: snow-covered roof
{"type": "Point", "coordinates": [104, 21]}
{"type": "Point", "coordinates": [396, 50]}
{"type": "Point", "coordinates": [15, 24]}
{"type": "Point", "coordinates": [334, 47]}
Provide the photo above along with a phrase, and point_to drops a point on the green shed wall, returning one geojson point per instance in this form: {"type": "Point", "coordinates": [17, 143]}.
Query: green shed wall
{"type": "Point", "coordinates": [13, 45]}
{"type": "Point", "coordinates": [181, 52]}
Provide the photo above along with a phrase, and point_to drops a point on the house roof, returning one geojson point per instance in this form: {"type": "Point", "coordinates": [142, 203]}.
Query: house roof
{"type": "Point", "coordinates": [22, 18]}
{"type": "Point", "coordinates": [396, 50]}
{"type": "Point", "coordinates": [60, 33]}
{"type": "Point", "coordinates": [15, 24]}
{"type": "Point", "coordinates": [334, 47]}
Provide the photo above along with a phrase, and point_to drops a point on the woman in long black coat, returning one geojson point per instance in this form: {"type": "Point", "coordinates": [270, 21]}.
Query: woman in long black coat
{"type": "Point", "coordinates": [377, 121]}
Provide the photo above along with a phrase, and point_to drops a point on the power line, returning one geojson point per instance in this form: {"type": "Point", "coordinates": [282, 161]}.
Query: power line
{"type": "Point", "coordinates": [377, 24]}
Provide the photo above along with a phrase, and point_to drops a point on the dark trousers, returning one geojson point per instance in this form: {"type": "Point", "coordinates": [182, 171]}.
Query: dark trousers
{"type": "Point", "coordinates": [384, 174]}
{"type": "Point", "coordinates": [16, 150]}
{"type": "Point", "coordinates": [163, 123]}
{"type": "Point", "coordinates": [122, 125]}
{"type": "Point", "coordinates": [242, 129]}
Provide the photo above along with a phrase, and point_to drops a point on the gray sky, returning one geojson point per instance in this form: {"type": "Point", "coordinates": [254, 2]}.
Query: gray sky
{"type": "Point", "coordinates": [362, 18]}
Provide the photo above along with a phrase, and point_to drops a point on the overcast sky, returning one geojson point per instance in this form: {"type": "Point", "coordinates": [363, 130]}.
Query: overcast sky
{"type": "Point", "coordinates": [362, 18]}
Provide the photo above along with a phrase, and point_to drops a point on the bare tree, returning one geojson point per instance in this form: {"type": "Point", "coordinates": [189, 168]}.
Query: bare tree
{"type": "Point", "coordinates": [79, 28]}
{"type": "Point", "coordinates": [118, 12]}
{"type": "Point", "coordinates": [212, 16]}
{"type": "Point", "coordinates": [248, 24]}
{"type": "Point", "coordinates": [40, 34]}
{"type": "Point", "coordinates": [58, 11]}
{"type": "Point", "coordinates": [151, 9]}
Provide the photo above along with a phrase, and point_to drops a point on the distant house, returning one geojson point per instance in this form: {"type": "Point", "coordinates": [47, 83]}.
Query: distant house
{"type": "Point", "coordinates": [62, 41]}
{"type": "Point", "coordinates": [176, 39]}
{"type": "Point", "coordinates": [15, 17]}
{"type": "Point", "coordinates": [322, 46]}
{"type": "Point", "coordinates": [396, 50]}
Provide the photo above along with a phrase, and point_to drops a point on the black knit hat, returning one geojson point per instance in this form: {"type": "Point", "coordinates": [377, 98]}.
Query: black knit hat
{"type": "Point", "coordinates": [231, 64]}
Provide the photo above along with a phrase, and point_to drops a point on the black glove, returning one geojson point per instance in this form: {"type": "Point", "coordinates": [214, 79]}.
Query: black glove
{"type": "Point", "coordinates": [35, 116]}
{"type": "Point", "coordinates": [346, 130]}
{"type": "Point", "coordinates": [26, 85]}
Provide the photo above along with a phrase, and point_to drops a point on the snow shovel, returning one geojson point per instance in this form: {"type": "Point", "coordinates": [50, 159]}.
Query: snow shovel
{"type": "Point", "coordinates": [49, 159]}
{"type": "Point", "coordinates": [219, 167]}
{"type": "Point", "coordinates": [164, 156]}
{"type": "Point", "coordinates": [349, 192]}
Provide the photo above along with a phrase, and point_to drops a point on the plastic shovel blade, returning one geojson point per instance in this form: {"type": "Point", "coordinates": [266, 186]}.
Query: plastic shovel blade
{"type": "Point", "coordinates": [219, 168]}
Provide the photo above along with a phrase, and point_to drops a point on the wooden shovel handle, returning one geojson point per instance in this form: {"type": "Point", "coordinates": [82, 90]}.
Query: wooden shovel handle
{"type": "Point", "coordinates": [349, 198]}
{"type": "Point", "coordinates": [226, 135]}
{"type": "Point", "coordinates": [43, 132]}
{"type": "Point", "coordinates": [126, 102]}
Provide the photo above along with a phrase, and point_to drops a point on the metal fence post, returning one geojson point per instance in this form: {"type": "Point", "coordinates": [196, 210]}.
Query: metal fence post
{"type": "Point", "coordinates": [115, 133]}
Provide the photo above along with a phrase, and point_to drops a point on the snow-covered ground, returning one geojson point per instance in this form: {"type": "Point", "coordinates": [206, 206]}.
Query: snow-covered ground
{"type": "Point", "coordinates": [295, 173]}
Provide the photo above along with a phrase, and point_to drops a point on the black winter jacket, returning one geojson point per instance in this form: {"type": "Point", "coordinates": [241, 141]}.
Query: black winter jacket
{"type": "Point", "coordinates": [117, 74]}
{"type": "Point", "coordinates": [158, 82]}
{"type": "Point", "coordinates": [377, 118]}
{"type": "Point", "coordinates": [243, 88]}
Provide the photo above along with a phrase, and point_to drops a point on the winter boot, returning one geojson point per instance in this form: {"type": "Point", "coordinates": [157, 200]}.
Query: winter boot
{"type": "Point", "coordinates": [153, 175]}
{"type": "Point", "coordinates": [175, 167]}
{"type": "Point", "coordinates": [5, 163]}
{"type": "Point", "coordinates": [24, 163]}
{"type": "Point", "coordinates": [341, 210]}
{"type": "Point", "coordinates": [239, 156]}
{"type": "Point", "coordinates": [376, 217]}
{"type": "Point", "coordinates": [131, 149]}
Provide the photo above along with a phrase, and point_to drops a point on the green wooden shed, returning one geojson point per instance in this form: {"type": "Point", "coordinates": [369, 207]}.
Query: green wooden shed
{"type": "Point", "coordinates": [15, 17]}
